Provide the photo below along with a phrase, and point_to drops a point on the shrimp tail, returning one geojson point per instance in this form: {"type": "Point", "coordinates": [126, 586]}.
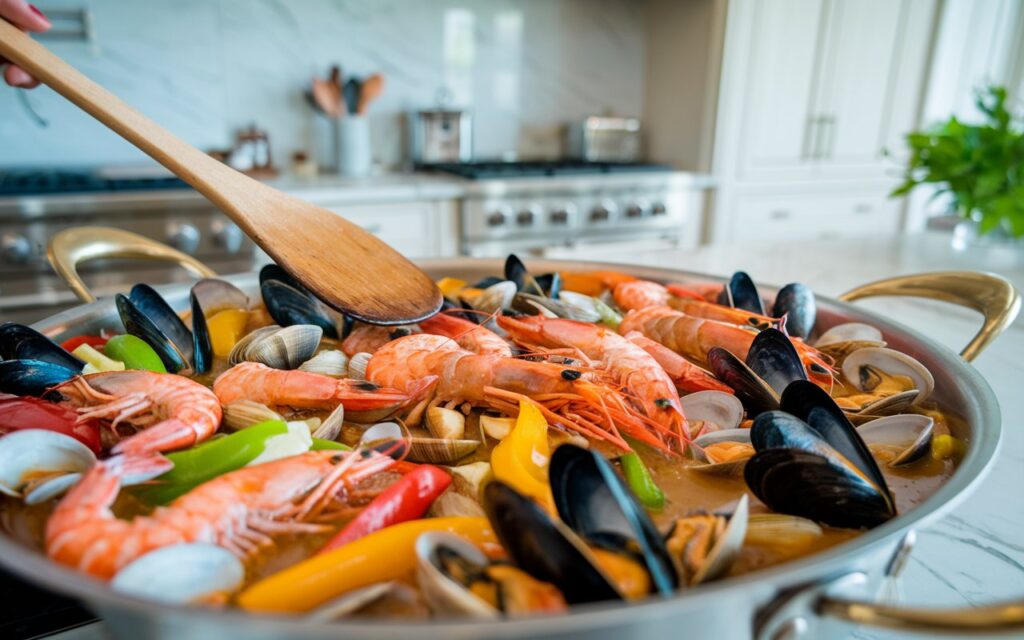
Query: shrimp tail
{"type": "Point", "coordinates": [168, 435]}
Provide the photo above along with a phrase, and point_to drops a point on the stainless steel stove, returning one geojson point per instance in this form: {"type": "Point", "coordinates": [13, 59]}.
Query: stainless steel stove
{"type": "Point", "coordinates": [34, 204]}
{"type": "Point", "coordinates": [535, 207]}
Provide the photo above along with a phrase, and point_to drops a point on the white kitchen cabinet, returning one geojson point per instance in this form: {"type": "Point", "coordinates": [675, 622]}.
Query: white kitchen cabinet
{"type": "Point", "coordinates": [417, 229]}
{"type": "Point", "coordinates": [814, 216]}
{"type": "Point", "coordinates": [812, 94]}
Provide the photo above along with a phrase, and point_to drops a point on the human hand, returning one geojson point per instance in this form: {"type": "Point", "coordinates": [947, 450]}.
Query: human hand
{"type": "Point", "coordinates": [25, 16]}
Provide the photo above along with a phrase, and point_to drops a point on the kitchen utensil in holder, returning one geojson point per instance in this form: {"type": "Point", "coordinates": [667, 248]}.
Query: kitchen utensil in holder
{"type": "Point", "coordinates": [352, 146]}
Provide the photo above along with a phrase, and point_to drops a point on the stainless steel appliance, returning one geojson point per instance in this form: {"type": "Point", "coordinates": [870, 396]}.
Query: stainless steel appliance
{"type": "Point", "coordinates": [605, 139]}
{"type": "Point", "coordinates": [441, 135]}
{"type": "Point", "coordinates": [788, 601]}
{"type": "Point", "coordinates": [532, 207]}
{"type": "Point", "coordinates": [35, 204]}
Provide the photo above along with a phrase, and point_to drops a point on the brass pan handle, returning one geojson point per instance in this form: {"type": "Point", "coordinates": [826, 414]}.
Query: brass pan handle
{"type": "Point", "coordinates": [997, 618]}
{"type": "Point", "coordinates": [991, 295]}
{"type": "Point", "coordinates": [69, 248]}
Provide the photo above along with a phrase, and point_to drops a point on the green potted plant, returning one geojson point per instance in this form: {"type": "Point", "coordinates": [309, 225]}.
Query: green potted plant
{"type": "Point", "coordinates": [980, 166]}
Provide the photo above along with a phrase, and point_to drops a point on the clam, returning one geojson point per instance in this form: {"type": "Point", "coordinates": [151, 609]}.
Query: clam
{"type": "Point", "coordinates": [544, 547]}
{"type": "Point", "coordinates": [494, 298]}
{"type": "Point", "coordinates": [354, 601]}
{"type": "Point", "coordinates": [703, 450]}
{"type": "Point", "coordinates": [716, 410]}
{"type": "Point", "coordinates": [908, 435]}
{"type": "Point", "coordinates": [772, 363]}
{"type": "Point", "coordinates": [237, 353]}
{"type": "Point", "coordinates": [282, 348]}
{"type": "Point", "coordinates": [182, 574]}
{"type": "Point", "coordinates": [782, 531]}
{"type": "Point", "coordinates": [440, 450]}
{"type": "Point", "coordinates": [811, 462]}
{"type": "Point", "coordinates": [582, 307]}
{"type": "Point", "coordinates": [331, 426]}
{"type": "Point", "coordinates": [447, 567]}
{"type": "Point", "coordinates": [796, 303]}
{"type": "Point", "coordinates": [246, 413]}
{"type": "Point", "coordinates": [594, 501]}
{"type": "Point", "coordinates": [37, 465]}
{"type": "Point", "coordinates": [850, 332]}
{"type": "Point", "coordinates": [862, 368]}
{"type": "Point", "coordinates": [704, 547]}
{"type": "Point", "coordinates": [357, 365]}
{"type": "Point", "coordinates": [329, 362]}
{"type": "Point", "coordinates": [289, 305]}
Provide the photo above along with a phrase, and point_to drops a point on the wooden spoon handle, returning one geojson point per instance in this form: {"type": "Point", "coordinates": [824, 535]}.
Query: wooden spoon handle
{"type": "Point", "coordinates": [207, 175]}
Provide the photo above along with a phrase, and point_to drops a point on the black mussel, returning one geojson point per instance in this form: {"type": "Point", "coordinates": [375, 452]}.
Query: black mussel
{"type": "Point", "coordinates": [148, 301]}
{"type": "Point", "coordinates": [202, 347]}
{"type": "Point", "coordinates": [140, 324]}
{"type": "Point", "coordinates": [463, 310]}
{"type": "Point", "coordinates": [27, 377]}
{"type": "Point", "coordinates": [543, 547]}
{"type": "Point", "coordinates": [595, 503]}
{"type": "Point", "coordinates": [813, 486]}
{"type": "Point", "coordinates": [288, 305]}
{"type": "Point", "coordinates": [548, 284]}
{"type": "Point", "coordinates": [18, 342]}
{"type": "Point", "coordinates": [742, 293]}
{"type": "Point", "coordinates": [815, 406]}
{"type": "Point", "coordinates": [772, 363]}
{"type": "Point", "coordinates": [796, 302]}
{"type": "Point", "coordinates": [273, 272]}
{"type": "Point", "coordinates": [483, 283]}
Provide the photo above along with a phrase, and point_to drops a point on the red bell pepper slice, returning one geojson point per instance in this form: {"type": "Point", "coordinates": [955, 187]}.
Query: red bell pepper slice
{"type": "Point", "coordinates": [407, 499]}
{"type": "Point", "coordinates": [71, 344]}
{"type": "Point", "coordinates": [33, 413]}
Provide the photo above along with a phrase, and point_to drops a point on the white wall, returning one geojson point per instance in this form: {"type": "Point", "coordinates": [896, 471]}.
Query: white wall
{"type": "Point", "coordinates": [205, 68]}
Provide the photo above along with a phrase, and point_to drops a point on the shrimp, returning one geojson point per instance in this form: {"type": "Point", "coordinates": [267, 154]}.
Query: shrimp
{"type": "Point", "coordinates": [644, 379]}
{"type": "Point", "coordinates": [641, 294]}
{"type": "Point", "coordinates": [302, 389]}
{"type": "Point", "coordinates": [707, 291]}
{"type": "Point", "coordinates": [593, 283]}
{"type": "Point", "coordinates": [370, 337]}
{"type": "Point", "coordinates": [239, 510]}
{"type": "Point", "coordinates": [469, 335]}
{"type": "Point", "coordinates": [574, 399]}
{"type": "Point", "coordinates": [687, 376]}
{"type": "Point", "coordinates": [168, 411]}
{"type": "Point", "coordinates": [694, 337]}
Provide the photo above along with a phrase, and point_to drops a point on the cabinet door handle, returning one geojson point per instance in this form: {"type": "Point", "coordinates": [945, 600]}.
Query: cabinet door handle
{"type": "Point", "coordinates": [829, 124]}
{"type": "Point", "coordinates": [780, 214]}
{"type": "Point", "coordinates": [810, 146]}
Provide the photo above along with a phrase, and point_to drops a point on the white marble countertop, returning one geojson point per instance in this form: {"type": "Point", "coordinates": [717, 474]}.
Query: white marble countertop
{"type": "Point", "coordinates": [976, 555]}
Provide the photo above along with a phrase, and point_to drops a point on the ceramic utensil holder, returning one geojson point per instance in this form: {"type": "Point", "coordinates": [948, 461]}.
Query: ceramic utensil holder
{"type": "Point", "coordinates": [352, 146]}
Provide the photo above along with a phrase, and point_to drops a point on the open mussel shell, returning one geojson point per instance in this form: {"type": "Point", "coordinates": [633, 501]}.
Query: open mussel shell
{"type": "Point", "coordinates": [724, 549]}
{"type": "Point", "coordinates": [182, 574]}
{"type": "Point", "coordinates": [862, 369]}
{"type": "Point", "coordinates": [774, 359]}
{"type": "Point", "coordinates": [548, 285]}
{"type": "Point", "coordinates": [753, 392]}
{"type": "Point", "coordinates": [37, 465]}
{"type": "Point", "coordinates": [18, 342]}
{"type": "Point", "coordinates": [444, 562]}
{"type": "Point", "coordinates": [32, 377]}
{"type": "Point", "coordinates": [742, 293]}
{"type": "Point", "coordinates": [704, 464]}
{"type": "Point", "coordinates": [909, 433]}
{"type": "Point", "coordinates": [202, 347]}
{"type": "Point", "coordinates": [544, 547]}
{"type": "Point", "coordinates": [594, 502]}
{"type": "Point", "coordinates": [796, 303]}
{"type": "Point", "coordinates": [150, 322]}
{"type": "Point", "coordinates": [214, 294]}
{"type": "Point", "coordinates": [888, 405]}
{"type": "Point", "coordinates": [288, 305]}
{"type": "Point", "coordinates": [718, 410]}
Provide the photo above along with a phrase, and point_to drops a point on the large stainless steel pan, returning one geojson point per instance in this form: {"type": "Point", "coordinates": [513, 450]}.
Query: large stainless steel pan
{"type": "Point", "coordinates": [798, 598]}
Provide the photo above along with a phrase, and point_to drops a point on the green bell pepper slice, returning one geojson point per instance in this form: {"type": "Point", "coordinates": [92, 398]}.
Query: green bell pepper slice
{"type": "Point", "coordinates": [639, 479]}
{"type": "Point", "coordinates": [319, 444]}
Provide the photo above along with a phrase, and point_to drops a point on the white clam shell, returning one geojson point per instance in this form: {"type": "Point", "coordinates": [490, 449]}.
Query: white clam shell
{"type": "Point", "coordinates": [909, 430]}
{"type": "Point", "coordinates": [718, 408]}
{"type": "Point", "coordinates": [848, 332]}
{"type": "Point", "coordinates": [696, 450]}
{"type": "Point", "coordinates": [580, 307]}
{"type": "Point", "coordinates": [891, 362]}
{"type": "Point", "coordinates": [357, 365]}
{"type": "Point", "coordinates": [727, 547]}
{"type": "Point", "coordinates": [30, 453]}
{"type": "Point", "coordinates": [330, 362]}
{"type": "Point", "coordinates": [495, 297]}
{"type": "Point", "coordinates": [331, 426]}
{"type": "Point", "coordinates": [181, 573]}
{"type": "Point", "coordinates": [237, 354]}
{"type": "Point", "coordinates": [444, 595]}
{"type": "Point", "coordinates": [285, 348]}
{"type": "Point", "coordinates": [352, 601]}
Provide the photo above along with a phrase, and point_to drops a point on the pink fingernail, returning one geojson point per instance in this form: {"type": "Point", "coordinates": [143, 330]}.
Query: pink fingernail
{"type": "Point", "coordinates": [39, 13]}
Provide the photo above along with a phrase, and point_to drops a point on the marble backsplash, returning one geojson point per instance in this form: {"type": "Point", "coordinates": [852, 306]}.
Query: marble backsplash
{"type": "Point", "coordinates": [206, 68]}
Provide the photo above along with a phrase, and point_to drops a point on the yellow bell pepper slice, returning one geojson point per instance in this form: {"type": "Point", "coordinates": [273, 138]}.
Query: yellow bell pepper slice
{"type": "Point", "coordinates": [450, 287]}
{"type": "Point", "coordinates": [388, 554]}
{"type": "Point", "coordinates": [521, 459]}
{"type": "Point", "coordinates": [226, 328]}
{"type": "Point", "coordinates": [96, 362]}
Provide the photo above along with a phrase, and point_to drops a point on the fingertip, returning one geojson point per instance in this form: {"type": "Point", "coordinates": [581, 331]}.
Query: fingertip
{"type": "Point", "coordinates": [18, 77]}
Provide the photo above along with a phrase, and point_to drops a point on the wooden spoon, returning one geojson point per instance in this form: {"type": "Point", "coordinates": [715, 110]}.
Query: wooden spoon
{"type": "Point", "coordinates": [372, 88]}
{"type": "Point", "coordinates": [344, 265]}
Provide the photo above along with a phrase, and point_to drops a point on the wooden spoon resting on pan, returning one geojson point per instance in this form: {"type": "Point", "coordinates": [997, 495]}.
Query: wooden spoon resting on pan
{"type": "Point", "coordinates": [345, 266]}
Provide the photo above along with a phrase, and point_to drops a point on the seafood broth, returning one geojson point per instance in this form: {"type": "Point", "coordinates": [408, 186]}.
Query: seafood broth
{"type": "Point", "coordinates": [716, 403]}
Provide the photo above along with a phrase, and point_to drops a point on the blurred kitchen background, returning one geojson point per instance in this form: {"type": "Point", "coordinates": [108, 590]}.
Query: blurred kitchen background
{"type": "Point", "coordinates": [565, 128]}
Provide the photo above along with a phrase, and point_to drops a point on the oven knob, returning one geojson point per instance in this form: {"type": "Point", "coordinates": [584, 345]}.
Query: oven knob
{"type": "Point", "coordinates": [525, 217]}
{"type": "Point", "coordinates": [183, 237]}
{"type": "Point", "coordinates": [635, 211]}
{"type": "Point", "coordinates": [560, 217]}
{"type": "Point", "coordinates": [658, 209]}
{"type": "Point", "coordinates": [16, 248]}
{"type": "Point", "coordinates": [227, 235]}
{"type": "Point", "coordinates": [599, 213]}
{"type": "Point", "coordinates": [496, 219]}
